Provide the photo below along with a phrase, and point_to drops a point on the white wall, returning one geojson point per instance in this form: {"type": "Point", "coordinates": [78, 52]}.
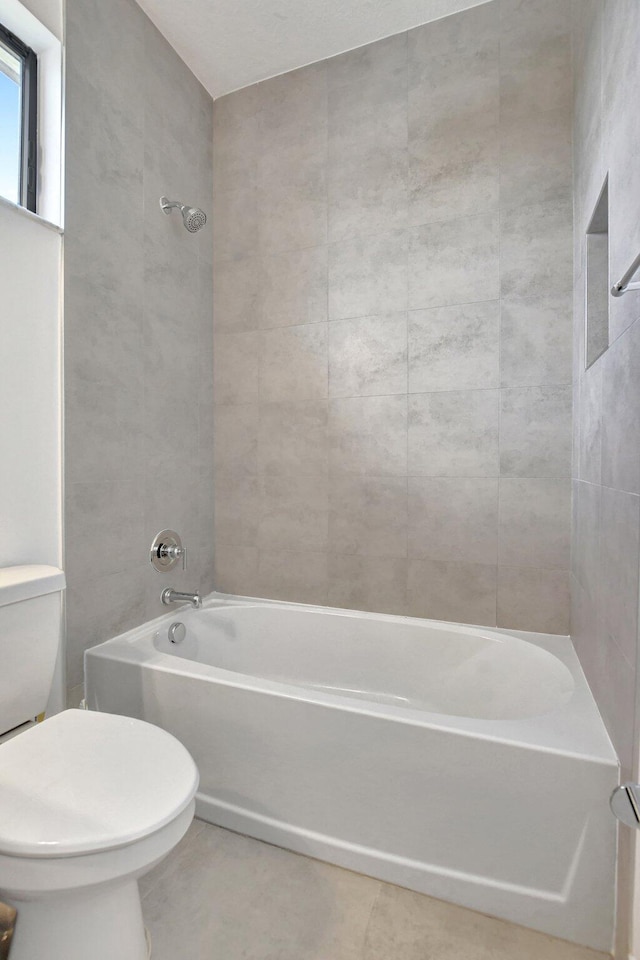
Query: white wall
{"type": "Point", "coordinates": [30, 494]}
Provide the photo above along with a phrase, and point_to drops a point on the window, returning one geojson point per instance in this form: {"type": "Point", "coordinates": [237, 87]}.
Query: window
{"type": "Point", "coordinates": [18, 121]}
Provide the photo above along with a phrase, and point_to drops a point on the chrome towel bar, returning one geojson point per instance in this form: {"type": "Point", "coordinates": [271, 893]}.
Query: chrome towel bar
{"type": "Point", "coordinates": [623, 285]}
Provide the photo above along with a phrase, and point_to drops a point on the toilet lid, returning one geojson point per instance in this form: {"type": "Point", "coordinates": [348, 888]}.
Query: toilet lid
{"type": "Point", "coordinates": [84, 781]}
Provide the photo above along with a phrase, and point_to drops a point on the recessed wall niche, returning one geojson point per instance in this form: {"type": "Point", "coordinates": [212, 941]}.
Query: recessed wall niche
{"type": "Point", "coordinates": [597, 279]}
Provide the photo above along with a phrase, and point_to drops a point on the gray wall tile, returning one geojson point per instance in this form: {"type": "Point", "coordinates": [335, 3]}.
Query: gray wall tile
{"type": "Point", "coordinates": [368, 516]}
{"type": "Point", "coordinates": [294, 287]}
{"type": "Point", "coordinates": [535, 431]}
{"type": "Point", "coordinates": [294, 513]}
{"type": "Point", "coordinates": [534, 523]}
{"type": "Point", "coordinates": [237, 295]}
{"type": "Point", "coordinates": [236, 448]}
{"type": "Point", "coordinates": [368, 186]}
{"type": "Point", "coordinates": [368, 436]}
{"type": "Point", "coordinates": [535, 250]}
{"type": "Point", "coordinates": [455, 261]}
{"type": "Point", "coordinates": [454, 348]}
{"type": "Point", "coordinates": [619, 568]}
{"type": "Point", "coordinates": [293, 438]}
{"type": "Point", "coordinates": [294, 363]}
{"type": "Point", "coordinates": [535, 341]}
{"type": "Point", "coordinates": [536, 158]}
{"type": "Point", "coordinates": [588, 426]}
{"type": "Point", "coordinates": [530, 598]}
{"type": "Point", "coordinates": [465, 592]}
{"type": "Point", "coordinates": [454, 434]}
{"type": "Point", "coordinates": [620, 406]}
{"type": "Point", "coordinates": [236, 365]}
{"type": "Point", "coordinates": [368, 275]}
{"type": "Point", "coordinates": [453, 519]}
{"type": "Point", "coordinates": [368, 583]}
{"type": "Point", "coordinates": [368, 356]}
{"type": "Point", "coordinates": [282, 574]}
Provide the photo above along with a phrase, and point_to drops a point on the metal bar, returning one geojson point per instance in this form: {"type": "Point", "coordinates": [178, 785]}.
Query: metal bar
{"type": "Point", "coordinates": [623, 285]}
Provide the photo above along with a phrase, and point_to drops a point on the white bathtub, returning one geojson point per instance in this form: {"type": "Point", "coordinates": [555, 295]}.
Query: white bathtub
{"type": "Point", "coordinates": [465, 763]}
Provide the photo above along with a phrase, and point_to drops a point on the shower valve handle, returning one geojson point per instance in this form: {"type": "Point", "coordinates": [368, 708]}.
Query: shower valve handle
{"type": "Point", "coordinates": [174, 552]}
{"type": "Point", "coordinates": [166, 551]}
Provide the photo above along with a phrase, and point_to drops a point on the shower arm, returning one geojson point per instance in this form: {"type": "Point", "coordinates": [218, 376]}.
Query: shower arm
{"type": "Point", "coordinates": [168, 205]}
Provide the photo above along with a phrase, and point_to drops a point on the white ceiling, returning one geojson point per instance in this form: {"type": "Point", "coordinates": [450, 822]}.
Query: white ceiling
{"type": "Point", "coordinates": [230, 44]}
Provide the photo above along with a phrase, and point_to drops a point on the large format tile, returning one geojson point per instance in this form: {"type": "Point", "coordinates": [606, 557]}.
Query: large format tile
{"type": "Point", "coordinates": [469, 36]}
{"type": "Point", "coordinates": [237, 509]}
{"type": "Point", "coordinates": [620, 550]}
{"type": "Point", "coordinates": [368, 275]}
{"type": "Point", "coordinates": [249, 901]}
{"type": "Point", "coordinates": [294, 513]}
{"type": "Point", "coordinates": [535, 74]}
{"type": "Point", "coordinates": [462, 592]}
{"type": "Point", "coordinates": [291, 199]}
{"type": "Point", "coordinates": [376, 66]}
{"type": "Point", "coordinates": [453, 116]}
{"type": "Point", "coordinates": [237, 304]}
{"type": "Point", "coordinates": [236, 568]}
{"type": "Point", "coordinates": [368, 356]}
{"type": "Point", "coordinates": [536, 250]}
{"type": "Point", "coordinates": [367, 172]}
{"type": "Point", "coordinates": [535, 158]}
{"type": "Point", "coordinates": [236, 142]}
{"type": "Point", "coordinates": [620, 419]}
{"type": "Point", "coordinates": [293, 438]}
{"type": "Point", "coordinates": [454, 348]}
{"type": "Point", "coordinates": [290, 575]}
{"type": "Point", "coordinates": [535, 432]}
{"type": "Point", "coordinates": [535, 523]}
{"type": "Point", "coordinates": [585, 559]}
{"type": "Point", "coordinates": [588, 423]}
{"type": "Point", "coordinates": [368, 516]}
{"type": "Point", "coordinates": [235, 224]}
{"type": "Point", "coordinates": [294, 287]}
{"type": "Point", "coordinates": [89, 512]}
{"type": "Point", "coordinates": [293, 110]}
{"type": "Point", "coordinates": [368, 436]}
{"type": "Point", "coordinates": [530, 598]}
{"type": "Point", "coordinates": [294, 363]}
{"type": "Point", "coordinates": [535, 341]}
{"type": "Point", "coordinates": [412, 927]}
{"type": "Point", "coordinates": [368, 583]}
{"type": "Point", "coordinates": [456, 261]}
{"type": "Point", "coordinates": [236, 363]}
{"type": "Point", "coordinates": [236, 439]}
{"type": "Point", "coordinates": [104, 432]}
{"type": "Point", "coordinates": [454, 434]}
{"type": "Point", "coordinates": [453, 519]}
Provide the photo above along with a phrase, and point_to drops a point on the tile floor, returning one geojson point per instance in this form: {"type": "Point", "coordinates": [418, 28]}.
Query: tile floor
{"type": "Point", "coordinates": [222, 896]}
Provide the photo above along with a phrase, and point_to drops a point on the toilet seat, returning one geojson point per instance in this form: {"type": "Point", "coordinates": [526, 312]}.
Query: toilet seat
{"type": "Point", "coordinates": [83, 782]}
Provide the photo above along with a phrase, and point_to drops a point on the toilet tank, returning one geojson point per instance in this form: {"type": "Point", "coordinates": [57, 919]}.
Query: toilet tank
{"type": "Point", "coordinates": [30, 632]}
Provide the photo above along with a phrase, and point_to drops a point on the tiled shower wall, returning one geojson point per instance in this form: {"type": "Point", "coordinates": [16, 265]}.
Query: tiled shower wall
{"type": "Point", "coordinates": [138, 331]}
{"type": "Point", "coordinates": [392, 327]}
{"type": "Point", "coordinates": [606, 538]}
{"type": "Point", "coordinates": [607, 424]}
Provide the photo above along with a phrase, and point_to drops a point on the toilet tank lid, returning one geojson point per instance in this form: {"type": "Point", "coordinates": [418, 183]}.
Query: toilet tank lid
{"type": "Point", "coordinates": [28, 581]}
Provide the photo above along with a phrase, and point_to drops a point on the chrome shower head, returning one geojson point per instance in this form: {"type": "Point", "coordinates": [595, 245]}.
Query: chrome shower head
{"type": "Point", "coordinates": [193, 218]}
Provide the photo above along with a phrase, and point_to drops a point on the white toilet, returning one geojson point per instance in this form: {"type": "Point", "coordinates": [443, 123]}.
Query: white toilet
{"type": "Point", "coordinates": [88, 801]}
